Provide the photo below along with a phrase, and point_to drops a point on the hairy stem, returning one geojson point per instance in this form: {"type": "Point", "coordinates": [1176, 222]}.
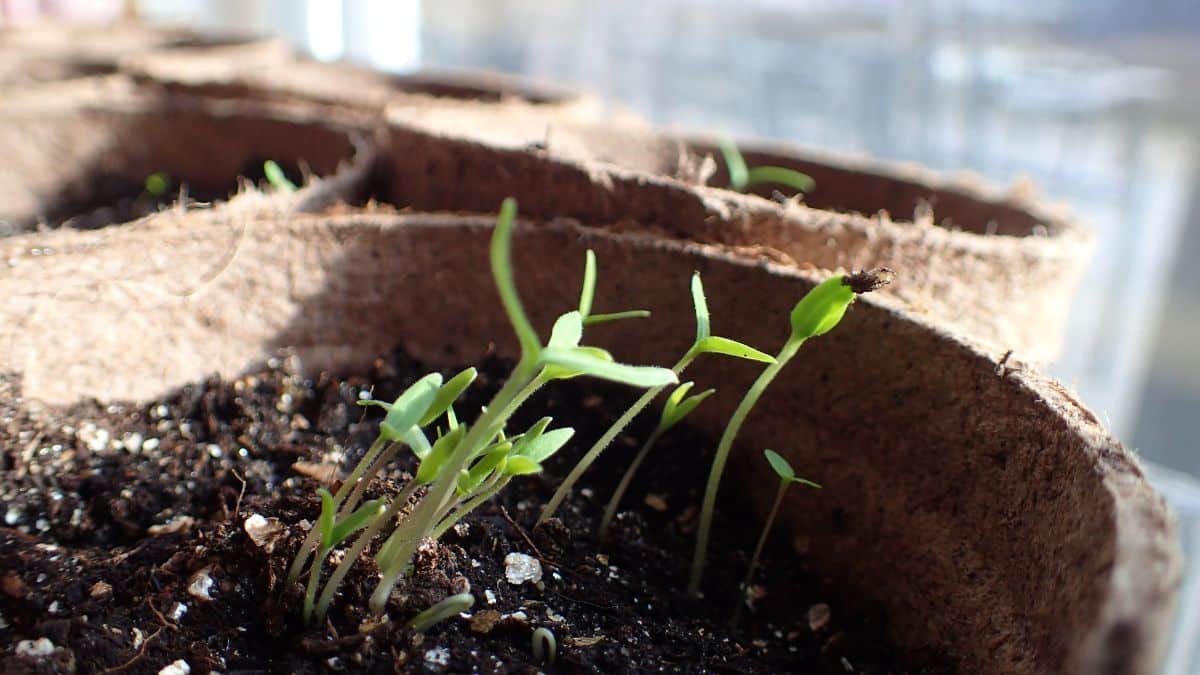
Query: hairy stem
{"type": "Point", "coordinates": [314, 537]}
{"type": "Point", "coordinates": [360, 545]}
{"type": "Point", "coordinates": [451, 519]}
{"type": "Point", "coordinates": [723, 448]}
{"type": "Point", "coordinates": [619, 425]}
{"type": "Point", "coordinates": [758, 549]}
{"type": "Point", "coordinates": [485, 428]}
{"type": "Point", "coordinates": [611, 510]}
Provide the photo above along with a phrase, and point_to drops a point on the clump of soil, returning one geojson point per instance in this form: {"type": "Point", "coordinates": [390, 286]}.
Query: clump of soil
{"type": "Point", "coordinates": [134, 537]}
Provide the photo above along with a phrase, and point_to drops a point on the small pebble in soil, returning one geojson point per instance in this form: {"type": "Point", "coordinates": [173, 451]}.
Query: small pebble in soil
{"type": "Point", "coordinates": [519, 568]}
{"type": "Point", "coordinates": [35, 648]}
{"type": "Point", "coordinates": [818, 617]}
{"type": "Point", "coordinates": [264, 532]}
{"type": "Point", "coordinates": [200, 586]}
{"type": "Point", "coordinates": [177, 667]}
{"type": "Point", "coordinates": [101, 590]}
{"type": "Point", "coordinates": [437, 658]}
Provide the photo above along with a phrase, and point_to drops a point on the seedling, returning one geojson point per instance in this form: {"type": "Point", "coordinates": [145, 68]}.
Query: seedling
{"type": "Point", "coordinates": [705, 343]}
{"type": "Point", "coordinates": [742, 178]}
{"type": "Point", "coordinates": [548, 651]}
{"type": "Point", "coordinates": [678, 406]}
{"type": "Point", "coordinates": [817, 313]}
{"type": "Point", "coordinates": [334, 531]}
{"type": "Point", "coordinates": [787, 476]}
{"type": "Point", "coordinates": [157, 184]}
{"type": "Point", "coordinates": [469, 463]}
{"type": "Point", "coordinates": [448, 607]}
{"type": "Point", "coordinates": [276, 177]}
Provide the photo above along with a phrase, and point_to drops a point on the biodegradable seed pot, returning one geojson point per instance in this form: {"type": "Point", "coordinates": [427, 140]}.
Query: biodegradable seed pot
{"type": "Point", "coordinates": [973, 509]}
{"type": "Point", "coordinates": [85, 153]}
{"type": "Point", "coordinates": [998, 266]}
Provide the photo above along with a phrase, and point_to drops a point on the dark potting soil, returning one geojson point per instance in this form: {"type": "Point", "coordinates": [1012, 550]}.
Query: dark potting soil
{"type": "Point", "coordinates": [126, 545]}
{"type": "Point", "coordinates": [102, 200]}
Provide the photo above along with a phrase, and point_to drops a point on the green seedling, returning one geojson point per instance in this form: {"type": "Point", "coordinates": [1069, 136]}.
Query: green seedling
{"type": "Point", "coordinates": [333, 531]}
{"type": "Point", "coordinates": [157, 184]}
{"type": "Point", "coordinates": [677, 406]}
{"type": "Point", "coordinates": [469, 463]}
{"type": "Point", "coordinates": [787, 476]}
{"type": "Point", "coordinates": [448, 607]}
{"type": "Point", "coordinates": [742, 178]}
{"type": "Point", "coordinates": [817, 313]}
{"type": "Point", "coordinates": [547, 651]}
{"type": "Point", "coordinates": [276, 177]}
{"type": "Point", "coordinates": [705, 343]}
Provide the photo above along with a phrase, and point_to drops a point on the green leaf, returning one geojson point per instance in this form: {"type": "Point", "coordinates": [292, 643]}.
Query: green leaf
{"type": "Point", "coordinates": [588, 292]}
{"type": "Point", "coordinates": [448, 394]}
{"type": "Point", "coordinates": [801, 182]}
{"type": "Point", "coordinates": [821, 308]}
{"type": "Point", "coordinates": [734, 164]}
{"type": "Point", "coordinates": [416, 439]}
{"type": "Point", "coordinates": [408, 408]}
{"type": "Point", "coordinates": [532, 434]}
{"type": "Point", "coordinates": [276, 177]}
{"type": "Point", "coordinates": [587, 363]}
{"type": "Point", "coordinates": [502, 273]}
{"type": "Point", "coordinates": [485, 467]}
{"type": "Point", "coordinates": [677, 408]}
{"type": "Point", "coordinates": [325, 520]}
{"type": "Point", "coordinates": [521, 466]}
{"type": "Point", "coordinates": [545, 445]}
{"type": "Point", "coordinates": [567, 331]}
{"type": "Point", "coordinates": [553, 372]}
{"type": "Point", "coordinates": [805, 481]}
{"type": "Point", "coordinates": [432, 464]}
{"type": "Point", "coordinates": [354, 522]}
{"type": "Point", "coordinates": [780, 465]}
{"type": "Point", "coordinates": [597, 319]}
{"type": "Point", "coordinates": [701, 306]}
{"type": "Point", "coordinates": [719, 345]}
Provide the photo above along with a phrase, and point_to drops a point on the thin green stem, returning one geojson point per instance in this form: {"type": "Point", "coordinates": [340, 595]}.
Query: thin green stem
{"type": "Point", "coordinates": [611, 510]}
{"type": "Point", "coordinates": [314, 536]}
{"type": "Point", "coordinates": [423, 517]}
{"type": "Point", "coordinates": [758, 549]}
{"type": "Point", "coordinates": [360, 545]}
{"type": "Point", "coordinates": [314, 575]}
{"type": "Point", "coordinates": [723, 448]}
{"type": "Point", "coordinates": [466, 507]}
{"type": "Point", "coordinates": [590, 456]}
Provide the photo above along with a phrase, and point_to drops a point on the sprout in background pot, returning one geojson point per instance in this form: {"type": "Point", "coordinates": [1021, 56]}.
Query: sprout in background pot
{"type": "Point", "coordinates": [787, 476]}
{"type": "Point", "coordinates": [742, 178]}
{"type": "Point", "coordinates": [678, 406]}
{"type": "Point", "coordinates": [817, 313]}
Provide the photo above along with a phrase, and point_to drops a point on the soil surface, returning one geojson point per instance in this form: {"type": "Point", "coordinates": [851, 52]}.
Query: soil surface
{"type": "Point", "coordinates": [124, 545]}
{"type": "Point", "coordinates": [104, 199]}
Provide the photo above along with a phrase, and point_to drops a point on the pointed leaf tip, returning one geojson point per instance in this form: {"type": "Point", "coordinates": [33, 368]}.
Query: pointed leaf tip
{"type": "Point", "coordinates": [779, 465]}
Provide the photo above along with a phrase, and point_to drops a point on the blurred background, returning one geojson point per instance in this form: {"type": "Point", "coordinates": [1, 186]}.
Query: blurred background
{"type": "Point", "coordinates": [1097, 102]}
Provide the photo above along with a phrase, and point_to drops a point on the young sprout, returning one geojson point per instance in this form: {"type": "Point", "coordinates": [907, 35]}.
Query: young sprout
{"type": "Point", "coordinates": [276, 177]}
{"type": "Point", "coordinates": [817, 313]}
{"type": "Point", "coordinates": [787, 476]}
{"type": "Point", "coordinates": [157, 184]}
{"type": "Point", "coordinates": [741, 178]}
{"type": "Point", "coordinates": [469, 463]}
{"type": "Point", "coordinates": [448, 607]}
{"type": "Point", "coordinates": [333, 531]}
{"type": "Point", "coordinates": [678, 406]}
{"type": "Point", "coordinates": [549, 651]}
{"type": "Point", "coordinates": [705, 343]}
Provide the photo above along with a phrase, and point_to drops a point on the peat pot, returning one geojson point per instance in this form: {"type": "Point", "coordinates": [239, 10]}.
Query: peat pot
{"type": "Point", "coordinates": [978, 506]}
